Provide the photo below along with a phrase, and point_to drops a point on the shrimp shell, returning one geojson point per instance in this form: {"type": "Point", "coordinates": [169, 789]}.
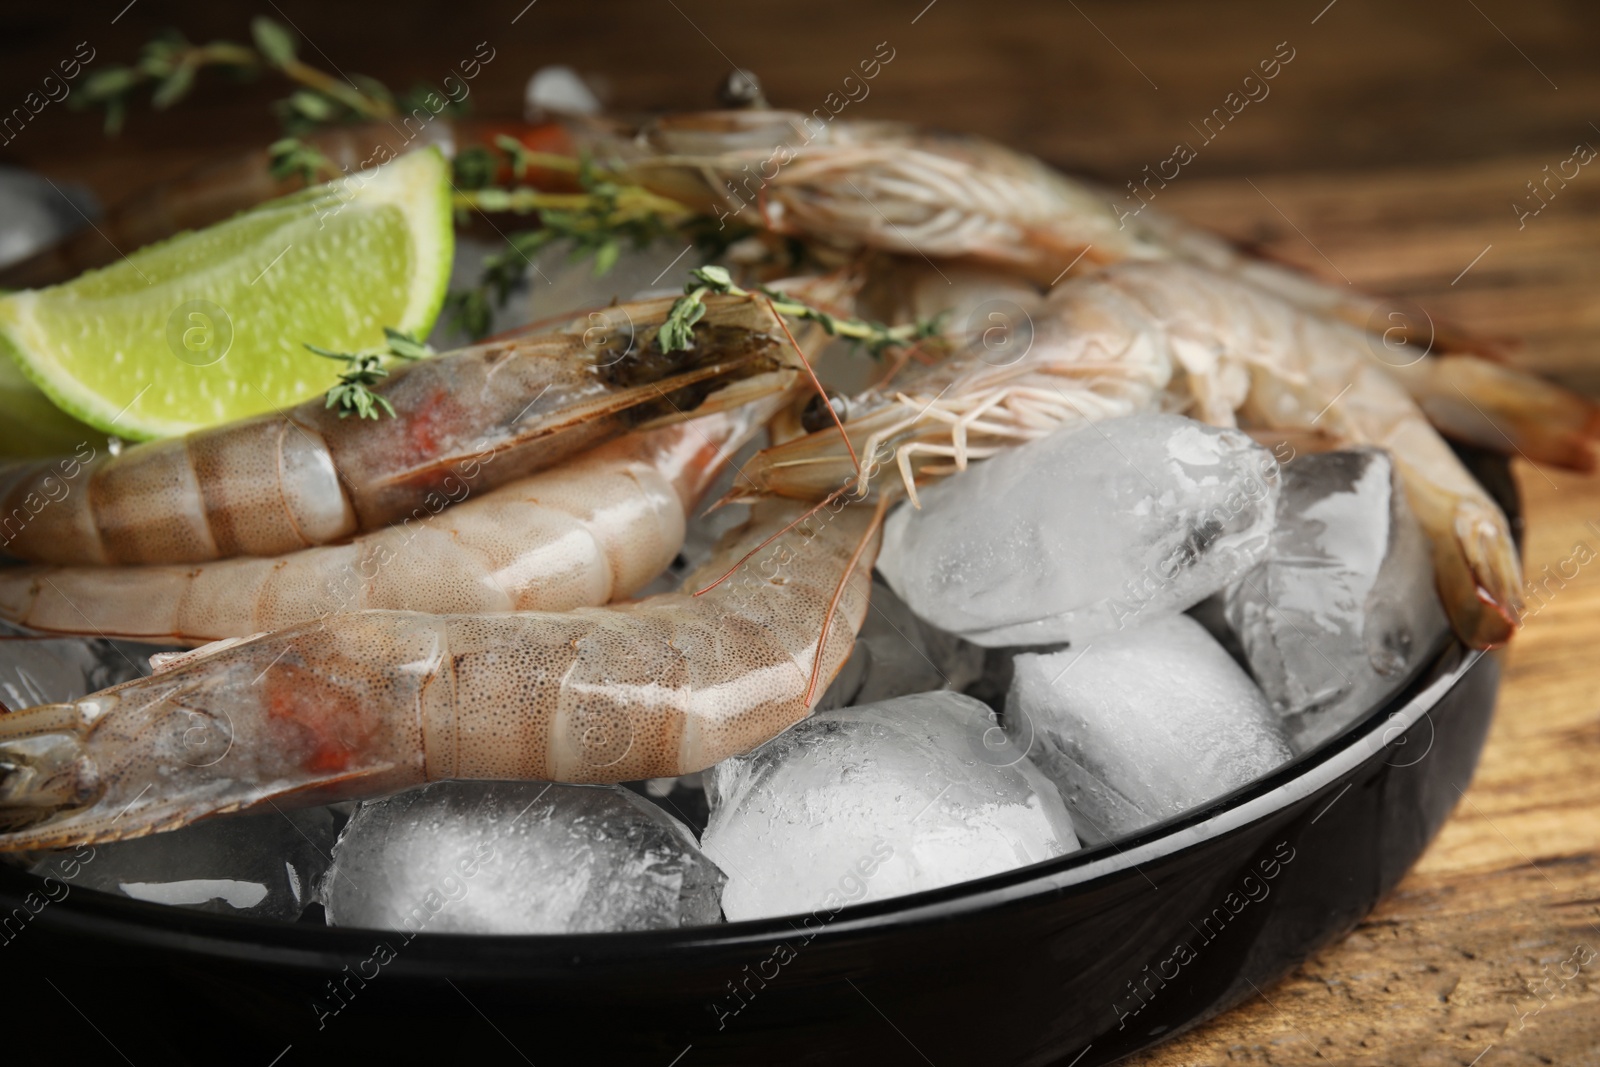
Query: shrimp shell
{"type": "Point", "coordinates": [869, 184]}
{"type": "Point", "coordinates": [467, 421]}
{"type": "Point", "coordinates": [364, 704]}
{"type": "Point", "coordinates": [593, 530]}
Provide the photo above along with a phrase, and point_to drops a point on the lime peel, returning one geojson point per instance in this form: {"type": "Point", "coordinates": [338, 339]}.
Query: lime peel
{"type": "Point", "coordinates": [209, 326]}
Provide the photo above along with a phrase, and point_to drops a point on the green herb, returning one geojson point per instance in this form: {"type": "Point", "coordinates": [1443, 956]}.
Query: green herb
{"type": "Point", "coordinates": [353, 395]}
{"type": "Point", "coordinates": [474, 167]}
{"type": "Point", "coordinates": [169, 64]}
{"type": "Point", "coordinates": [293, 158]}
{"type": "Point", "coordinates": [522, 157]}
{"type": "Point", "coordinates": [677, 331]}
{"type": "Point", "coordinates": [595, 222]}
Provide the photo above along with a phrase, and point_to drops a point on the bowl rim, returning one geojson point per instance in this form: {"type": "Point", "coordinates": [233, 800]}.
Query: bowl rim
{"type": "Point", "coordinates": [210, 934]}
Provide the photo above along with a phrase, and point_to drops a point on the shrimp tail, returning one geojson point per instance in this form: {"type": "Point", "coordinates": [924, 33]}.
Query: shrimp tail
{"type": "Point", "coordinates": [1475, 565]}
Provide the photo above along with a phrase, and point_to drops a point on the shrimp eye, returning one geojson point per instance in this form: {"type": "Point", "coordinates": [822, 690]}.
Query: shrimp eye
{"type": "Point", "coordinates": [816, 417]}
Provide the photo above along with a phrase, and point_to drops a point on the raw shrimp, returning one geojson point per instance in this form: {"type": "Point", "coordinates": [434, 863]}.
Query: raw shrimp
{"type": "Point", "coordinates": [924, 193]}
{"type": "Point", "coordinates": [364, 704]}
{"type": "Point", "coordinates": [1174, 336]}
{"type": "Point", "coordinates": [466, 422]}
{"type": "Point", "coordinates": [590, 531]}
{"type": "Point", "coordinates": [867, 184]}
{"type": "Point", "coordinates": [894, 187]}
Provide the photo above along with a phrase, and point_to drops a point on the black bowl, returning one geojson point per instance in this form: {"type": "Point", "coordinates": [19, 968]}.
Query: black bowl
{"type": "Point", "coordinates": [1076, 961]}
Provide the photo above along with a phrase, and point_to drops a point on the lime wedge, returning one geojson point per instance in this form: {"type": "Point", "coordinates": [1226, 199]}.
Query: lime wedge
{"type": "Point", "coordinates": [31, 427]}
{"type": "Point", "coordinates": [210, 326]}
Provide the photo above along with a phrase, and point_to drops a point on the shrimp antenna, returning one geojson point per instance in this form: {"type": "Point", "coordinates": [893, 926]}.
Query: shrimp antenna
{"type": "Point", "coordinates": [838, 592]}
{"type": "Point", "coordinates": [821, 392]}
{"type": "Point", "coordinates": [803, 516]}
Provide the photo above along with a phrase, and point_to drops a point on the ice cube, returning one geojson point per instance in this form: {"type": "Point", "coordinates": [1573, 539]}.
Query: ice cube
{"type": "Point", "coordinates": [1085, 531]}
{"type": "Point", "coordinates": [875, 801]}
{"type": "Point", "coordinates": [264, 866]}
{"type": "Point", "coordinates": [1212, 613]}
{"type": "Point", "coordinates": [683, 797]}
{"type": "Point", "coordinates": [558, 90]}
{"type": "Point", "coordinates": [1140, 725]}
{"type": "Point", "coordinates": [897, 653]}
{"type": "Point", "coordinates": [46, 670]}
{"type": "Point", "coordinates": [1344, 607]}
{"type": "Point", "coordinates": [36, 212]}
{"type": "Point", "coordinates": [518, 858]}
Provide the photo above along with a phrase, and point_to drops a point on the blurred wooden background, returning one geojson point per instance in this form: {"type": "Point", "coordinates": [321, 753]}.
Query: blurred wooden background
{"type": "Point", "coordinates": [1389, 154]}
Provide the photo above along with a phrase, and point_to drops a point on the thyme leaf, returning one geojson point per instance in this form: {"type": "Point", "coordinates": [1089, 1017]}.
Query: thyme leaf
{"type": "Point", "coordinates": [353, 394]}
{"type": "Point", "coordinates": [291, 157]}
{"type": "Point", "coordinates": [595, 223]}
{"type": "Point", "coordinates": [169, 64]}
{"type": "Point", "coordinates": [677, 331]}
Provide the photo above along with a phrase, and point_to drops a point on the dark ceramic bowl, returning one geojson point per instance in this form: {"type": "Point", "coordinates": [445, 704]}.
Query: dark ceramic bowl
{"type": "Point", "coordinates": [1076, 961]}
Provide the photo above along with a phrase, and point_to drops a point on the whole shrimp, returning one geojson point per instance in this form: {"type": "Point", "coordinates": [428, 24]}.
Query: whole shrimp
{"type": "Point", "coordinates": [465, 421]}
{"type": "Point", "coordinates": [1177, 336]}
{"type": "Point", "coordinates": [897, 188]}
{"type": "Point", "coordinates": [925, 193]}
{"type": "Point", "coordinates": [364, 704]}
{"type": "Point", "coordinates": [592, 530]}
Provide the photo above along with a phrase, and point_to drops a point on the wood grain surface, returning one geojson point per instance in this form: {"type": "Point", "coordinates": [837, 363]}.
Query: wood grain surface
{"type": "Point", "coordinates": [1388, 154]}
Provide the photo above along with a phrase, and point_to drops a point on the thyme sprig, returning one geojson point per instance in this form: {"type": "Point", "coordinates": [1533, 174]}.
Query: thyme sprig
{"type": "Point", "coordinates": [169, 64]}
{"type": "Point", "coordinates": [353, 394]}
{"type": "Point", "coordinates": [677, 331]}
{"type": "Point", "coordinates": [595, 222]}
{"type": "Point", "coordinates": [478, 166]}
{"type": "Point", "coordinates": [293, 158]}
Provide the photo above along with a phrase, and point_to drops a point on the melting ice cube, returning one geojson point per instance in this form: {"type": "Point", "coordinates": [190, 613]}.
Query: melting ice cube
{"type": "Point", "coordinates": [36, 212]}
{"type": "Point", "coordinates": [518, 858]}
{"type": "Point", "coordinates": [47, 670]}
{"type": "Point", "coordinates": [1344, 607]}
{"type": "Point", "coordinates": [874, 801]}
{"type": "Point", "coordinates": [1140, 725]}
{"type": "Point", "coordinates": [1085, 531]}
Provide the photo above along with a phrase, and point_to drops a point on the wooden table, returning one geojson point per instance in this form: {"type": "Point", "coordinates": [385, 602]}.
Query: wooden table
{"type": "Point", "coordinates": [1388, 153]}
